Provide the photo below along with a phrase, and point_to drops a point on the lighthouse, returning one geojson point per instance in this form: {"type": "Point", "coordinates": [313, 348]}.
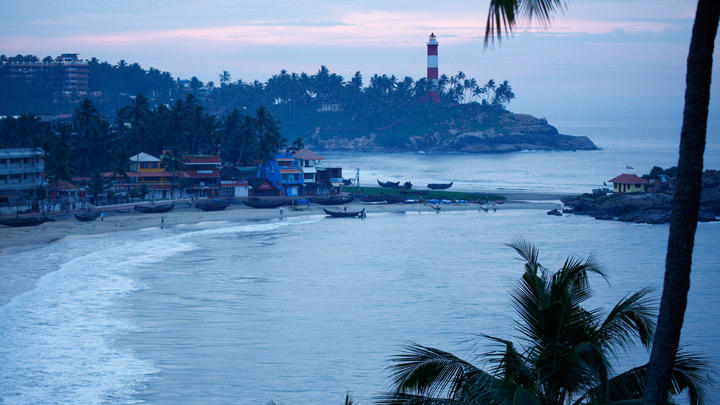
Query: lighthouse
{"type": "Point", "coordinates": [432, 70]}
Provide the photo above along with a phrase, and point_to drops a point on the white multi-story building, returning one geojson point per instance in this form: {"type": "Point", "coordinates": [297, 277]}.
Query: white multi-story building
{"type": "Point", "coordinates": [21, 170]}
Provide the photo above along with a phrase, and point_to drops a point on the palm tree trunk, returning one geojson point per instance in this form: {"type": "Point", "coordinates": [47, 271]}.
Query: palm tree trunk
{"type": "Point", "coordinates": [683, 222]}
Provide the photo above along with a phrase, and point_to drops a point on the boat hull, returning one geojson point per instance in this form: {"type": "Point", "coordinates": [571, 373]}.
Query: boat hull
{"type": "Point", "coordinates": [345, 214]}
{"type": "Point", "coordinates": [154, 209]}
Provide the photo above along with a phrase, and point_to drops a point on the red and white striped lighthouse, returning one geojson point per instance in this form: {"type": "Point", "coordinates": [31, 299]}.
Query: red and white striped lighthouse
{"type": "Point", "coordinates": [432, 70]}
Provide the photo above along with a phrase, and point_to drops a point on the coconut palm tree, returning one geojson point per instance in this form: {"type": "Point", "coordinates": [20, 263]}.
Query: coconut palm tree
{"type": "Point", "coordinates": [225, 78]}
{"type": "Point", "coordinates": [502, 18]}
{"type": "Point", "coordinates": [564, 351]}
{"type": "Point", "coordinates": [173, 164]}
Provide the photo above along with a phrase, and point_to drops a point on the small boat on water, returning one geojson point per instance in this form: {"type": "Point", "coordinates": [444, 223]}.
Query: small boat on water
{"type": "Point", "coordinates": [25, 221]}
{"type": "Point", "coordinates": [334, 200]}
{"type": "Point", "coordinates": [214, 205]}
{"type": "Point", "coordinates": [345, 214]}
{"type": "Point", "coordinates": [440, 186]}
{"type": "Point", "coordinates": [154, 209]}
{"type": "Point", "coordinates": [388, 184]}
{"type": "Point", "coordinates": [88, 216]}
{"type": "Point", "coordinates": [265, 202]}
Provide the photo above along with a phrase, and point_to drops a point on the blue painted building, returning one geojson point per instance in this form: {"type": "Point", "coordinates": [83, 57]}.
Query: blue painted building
{"type": "Point", "coordinates": [284, 174]}
{"type": "Point", "coordinates": [298, 174]}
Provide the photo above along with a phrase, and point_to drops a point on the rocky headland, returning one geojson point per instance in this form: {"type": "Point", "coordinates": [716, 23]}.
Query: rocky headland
{"type": "Point", "coordinates": [653, 207]}
{"type": "Point", "coordinates": [461, 128]}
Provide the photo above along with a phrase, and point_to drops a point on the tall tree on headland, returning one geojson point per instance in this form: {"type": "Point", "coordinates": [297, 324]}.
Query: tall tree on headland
{"type": "Point", "coordinates": [502, 17]}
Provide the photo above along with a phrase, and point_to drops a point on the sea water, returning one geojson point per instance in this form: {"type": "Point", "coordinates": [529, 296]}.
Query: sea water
{"type": "Point", "coordinates": [306, 309]}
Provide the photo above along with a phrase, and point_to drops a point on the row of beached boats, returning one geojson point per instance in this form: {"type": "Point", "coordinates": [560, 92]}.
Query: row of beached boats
{"type": "Point", "coordinates": [408, 185]}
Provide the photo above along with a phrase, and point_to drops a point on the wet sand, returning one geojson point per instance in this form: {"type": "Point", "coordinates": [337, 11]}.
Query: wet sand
{"type": "Point", "coordinates": [13, 240]}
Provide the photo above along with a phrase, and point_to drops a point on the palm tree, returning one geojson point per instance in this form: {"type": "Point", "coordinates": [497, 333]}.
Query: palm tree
{"type": "Point", "coordinates": [225, 78]}
{"type": "Point", "coordinates": [564, 351]}
{"type": "Point", "coordinates": [683, 223]}
{"type": "Point", "coordinates": [173, 163]}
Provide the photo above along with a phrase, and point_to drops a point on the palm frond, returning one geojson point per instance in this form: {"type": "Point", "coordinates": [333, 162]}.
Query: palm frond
{"type": "Point", "coordinates": [632, 317]}
{"type": "Point", "coordinates": [528, 252]}
{"type": "Point", "coordinates": [691, 372]}
{"type": "Point", "coordinates": [504, 15]}
{"type": "Point", "coordinates": [397, 398]}
{"type": "Point", "coordinates": [509, 365]}
{"type": "Point", "coordinates": [427, 371]}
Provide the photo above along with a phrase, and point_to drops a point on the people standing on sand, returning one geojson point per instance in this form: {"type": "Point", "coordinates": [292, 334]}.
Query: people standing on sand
{"type": "Point", "coordinates": [281, 211]}
{"type": "Point", "coordinates": [162, 222]}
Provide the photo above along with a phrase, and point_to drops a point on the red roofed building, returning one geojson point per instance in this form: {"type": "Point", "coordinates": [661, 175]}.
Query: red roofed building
{"type": "Point", "coordinates": [628, 183]}
{"type": "Point", "coordinates": [203, 172]}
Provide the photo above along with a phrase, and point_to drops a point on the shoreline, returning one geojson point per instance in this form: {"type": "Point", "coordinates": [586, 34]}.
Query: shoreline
{"type": "Point", "coordinates": [16, 240]}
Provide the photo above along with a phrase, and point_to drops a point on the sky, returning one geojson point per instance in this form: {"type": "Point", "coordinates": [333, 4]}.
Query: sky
{"type": "Point", "coordinates": [599, 56]}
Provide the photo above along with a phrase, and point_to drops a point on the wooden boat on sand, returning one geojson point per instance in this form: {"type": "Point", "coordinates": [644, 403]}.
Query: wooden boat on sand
{"type": "Point", "coordinates": [214, 205]}
{"type": "Point", "coordinates": [388, 184]}
{"type": "Point", "coordinates": [25, 221]}
{"type": "Point", "coordinates": [440, 186]}
{"type": "Point", "coordinates": [345, 214]}
{"type": "Point", "coordinates": [154, 209]}
{"type": "Point", "coordinates": [334, 200]}
{"type": "Point", "coordinates": [265, 202]}
{"type": "Point", "coordinates": [88, 216]}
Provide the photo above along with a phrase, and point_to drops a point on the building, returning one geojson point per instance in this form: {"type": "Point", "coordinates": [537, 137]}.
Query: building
{"type": "Point", "coordinates": [232, 189]}
{"type": "Point", "coordinates": [202, 174]}
{"type": "Point", "coordinates": [330, 107]}
{"type": "Point", "coordinates": [200, 178]}
{"type": "Point", "coordinates": [433, 96]}
{"type": "Point", "coordinates": [307, 161]}
{"type": "Point", "coordinates": [21, 172]}
{"type": "Point", "coordinates": [67, 73]}
{"type": "Point", "coordinates": [297, 174]}
{"type": "Point", "coordinates": [628, 183]}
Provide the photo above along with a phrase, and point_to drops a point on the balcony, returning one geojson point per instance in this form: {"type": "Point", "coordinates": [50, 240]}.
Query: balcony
{"type": "Point", "coordinates": [291, 181]}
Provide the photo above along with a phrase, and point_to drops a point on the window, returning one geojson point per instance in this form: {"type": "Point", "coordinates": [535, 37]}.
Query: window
{"type": "Point", "coordinates": [144, 165]}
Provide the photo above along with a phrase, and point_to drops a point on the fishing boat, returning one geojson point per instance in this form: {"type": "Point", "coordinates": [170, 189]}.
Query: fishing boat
{"type": "Point", "coordinates": [154, 209]}
{"type": "Point", "coordinates": [214, 205]}
{"type": "Point", "coordinates": [88, 216]}
{"type": "Point", "coordinates": [24, 221]}
{"type": "Point", "coordinates": [345, 214]}
{"type": "Point", "coordinates": [265, 202]}
{"type": "Point", "coordinates": [439, 186]}
{"type": "Point", "coordinates": [388, 184]}
{"type": "Point", "coordinates": [387, 198]}
{"type": "Point", "coordinates": [334, 200]}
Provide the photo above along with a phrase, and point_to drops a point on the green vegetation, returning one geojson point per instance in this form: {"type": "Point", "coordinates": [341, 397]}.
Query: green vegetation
{"type": "Point", "coordinates": [93, 144]}
{"type": "Point", "coordinates": [426, 195]}
{"type": "Point", "coordinates": [563, 354]}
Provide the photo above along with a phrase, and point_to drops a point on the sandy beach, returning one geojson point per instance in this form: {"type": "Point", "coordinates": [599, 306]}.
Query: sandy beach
{"type": "Point", "coordinates": [13, 240]}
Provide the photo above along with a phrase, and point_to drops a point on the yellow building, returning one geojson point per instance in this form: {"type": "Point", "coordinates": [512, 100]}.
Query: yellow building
{"type": "Point", "coordinates": [149, 168]}
{"type": "Point", "coordinates": [628, 183]}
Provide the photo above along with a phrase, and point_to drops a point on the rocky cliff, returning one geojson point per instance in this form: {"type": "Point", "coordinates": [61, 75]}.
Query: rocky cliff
{"type": "Point", "coordinates": [466, 128]}
{"type": "Point", "coordinates": [650, 208]}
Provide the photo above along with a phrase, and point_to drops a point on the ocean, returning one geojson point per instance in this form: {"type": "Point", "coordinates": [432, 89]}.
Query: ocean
{"type": "Point", "coordinates": [306, 309]}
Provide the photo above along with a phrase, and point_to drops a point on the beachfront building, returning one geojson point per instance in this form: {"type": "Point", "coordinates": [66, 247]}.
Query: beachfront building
{"type": "Point", "coordinates": [282, 173]}
{"type": "Point", "coordinates": [628, 183]}
{"type": "Point", "coordinates": [234, 189]}
{"type": "Point", "coordinates": [202, 175]}
{"type": "Point", "coordinates": [307, 162]}
{"type": "Point", "coordinates": [298, 174]}
{"type": "Point", "coordinates": [21, 172]}
{"type": "Point", "coordinates": [200, 178]}
{"type": "Point", "coordinates": [329, 180]}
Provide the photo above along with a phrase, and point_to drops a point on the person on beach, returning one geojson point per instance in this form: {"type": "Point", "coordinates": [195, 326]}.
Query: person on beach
{"type": "Point", "coordinates": [281, 211]}
{"type": "Point", "coordinates": [162, 222]}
